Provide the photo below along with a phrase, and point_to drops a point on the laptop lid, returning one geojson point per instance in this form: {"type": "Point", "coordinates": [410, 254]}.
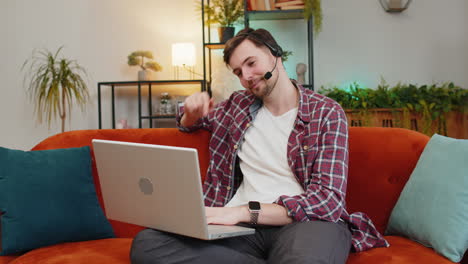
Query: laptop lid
{"type": "Point", "coordinates": [152, 185]}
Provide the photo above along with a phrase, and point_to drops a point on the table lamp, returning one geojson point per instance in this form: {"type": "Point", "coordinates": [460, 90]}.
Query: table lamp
{"type": "Point", "coordinates": [183, 55]}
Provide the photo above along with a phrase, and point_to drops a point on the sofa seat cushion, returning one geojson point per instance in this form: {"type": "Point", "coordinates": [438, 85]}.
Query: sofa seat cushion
{"type": "Point", "coordinates": [111, 250]}
{"type": "Point", "coordinates": [7, 259]}
{"type": "Point", "coordinates": [117, 250]}
{"type": "Point", "coordinates": [401, 251]}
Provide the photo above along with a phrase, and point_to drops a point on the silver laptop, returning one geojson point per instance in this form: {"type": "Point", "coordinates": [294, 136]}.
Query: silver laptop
{"type": "Point", "coordinates": [156, 186]}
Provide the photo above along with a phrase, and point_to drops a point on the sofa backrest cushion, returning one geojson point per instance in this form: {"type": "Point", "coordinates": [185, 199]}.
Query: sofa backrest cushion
{"type": "Point", "coordinates": [433, 206]}
{"type": "Point", "coordinates": [48, 197]}
{"type": "Point", "coordinates": [380, 163]}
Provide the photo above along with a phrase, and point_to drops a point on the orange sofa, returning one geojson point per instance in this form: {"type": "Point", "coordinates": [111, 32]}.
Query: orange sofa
{"type": "Point", "coordinates": [381, 161]}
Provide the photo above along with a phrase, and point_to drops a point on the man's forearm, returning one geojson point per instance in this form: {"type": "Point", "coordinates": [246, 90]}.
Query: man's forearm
{"type": "Point", "coordinates": [183, 121]}
{"type": "Point", "coordinates": [270, 214]}
{"type": "Point", "coordinates": [186, 122]}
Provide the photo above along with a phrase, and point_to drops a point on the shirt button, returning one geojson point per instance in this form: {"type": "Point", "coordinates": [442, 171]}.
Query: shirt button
{"type": "Point", "coordinates": [230, 167]}
{"type": "Point", "coordinates": [228, 188]}
{"type": "Point", "coordinates": [235, 146]}
{"type": "Point", "coordinates": [306, 147]}
{"type": "Point", "coordinates": [248, 125]}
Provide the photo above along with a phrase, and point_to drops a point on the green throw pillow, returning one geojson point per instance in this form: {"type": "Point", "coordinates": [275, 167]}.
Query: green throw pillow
{"type": "Point", "coordinates": [433, 206]}
{"type": "Point", "coordinates": [48, 197]}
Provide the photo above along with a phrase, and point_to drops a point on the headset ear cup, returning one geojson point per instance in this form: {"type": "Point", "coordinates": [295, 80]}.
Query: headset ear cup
{"type": "Point", "coordinates": [279, 52]}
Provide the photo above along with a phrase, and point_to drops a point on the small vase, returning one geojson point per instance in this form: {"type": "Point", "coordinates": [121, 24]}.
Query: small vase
{"type": "Point", "coordinates": [169, 108]}
{"type": "Point", "coordinates": [162, 109]}
{"type": "Point", "coordinates": [144, 75]}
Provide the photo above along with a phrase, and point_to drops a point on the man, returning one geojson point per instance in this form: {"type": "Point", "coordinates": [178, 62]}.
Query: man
{"type": "Point", "coordinates": [276, 146]}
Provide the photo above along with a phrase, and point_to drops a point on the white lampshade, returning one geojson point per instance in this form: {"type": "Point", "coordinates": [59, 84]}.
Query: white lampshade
{"type": "Point", "coordinates": [183, 54]}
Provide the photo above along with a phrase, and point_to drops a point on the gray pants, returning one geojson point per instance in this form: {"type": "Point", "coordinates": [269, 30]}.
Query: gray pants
{"type": "Point", "coordinates": [306, 242]}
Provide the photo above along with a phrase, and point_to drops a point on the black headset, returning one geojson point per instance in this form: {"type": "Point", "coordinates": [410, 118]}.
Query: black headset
{"type": "Point", "coordinates": [276, 51]}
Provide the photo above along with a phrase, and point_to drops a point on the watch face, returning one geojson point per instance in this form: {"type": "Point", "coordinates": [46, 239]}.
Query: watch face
{"type": "Point", "coordinates": [254, 205]}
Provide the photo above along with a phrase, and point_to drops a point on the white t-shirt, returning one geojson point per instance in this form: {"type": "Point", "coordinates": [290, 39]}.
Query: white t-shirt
{"type": "Point", "coordinates": [263, 160]}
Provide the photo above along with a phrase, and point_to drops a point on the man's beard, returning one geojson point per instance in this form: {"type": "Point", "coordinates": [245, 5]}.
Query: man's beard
{"type": "Point", "coordinates": [265, 92]}
{"type": "Point", "coordinates": [269, 87]}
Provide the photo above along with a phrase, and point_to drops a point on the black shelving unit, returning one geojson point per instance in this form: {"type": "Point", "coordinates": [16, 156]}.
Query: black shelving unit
{"type": "Point", "coordinates": [253, 16]}
{"type": "Point", "coordinates": [207, 44]}
{"type": "Point", "coordinates": [140, 85]}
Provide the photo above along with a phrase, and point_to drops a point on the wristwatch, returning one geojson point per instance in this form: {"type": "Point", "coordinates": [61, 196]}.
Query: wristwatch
{"type": "Point", "coordinates": [254, 209]}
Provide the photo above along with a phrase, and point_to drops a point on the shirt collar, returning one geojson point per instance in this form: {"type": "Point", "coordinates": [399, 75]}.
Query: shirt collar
{"type": "Point", "coordinates": [303, 110]}
{"type": "Point", "coordinates": [255, 106]}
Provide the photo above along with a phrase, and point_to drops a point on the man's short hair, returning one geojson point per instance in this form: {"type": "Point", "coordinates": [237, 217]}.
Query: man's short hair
{"type": "Point", "coordinates": [260, 37]}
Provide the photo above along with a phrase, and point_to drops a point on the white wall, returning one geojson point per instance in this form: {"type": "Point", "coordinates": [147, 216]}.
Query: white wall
{"type": "Point", "coordinates": [99, 35]}
{"type": "Point", "coordinates": [359, 42]}
{"type": "Point", "coordinates": [426, 43]}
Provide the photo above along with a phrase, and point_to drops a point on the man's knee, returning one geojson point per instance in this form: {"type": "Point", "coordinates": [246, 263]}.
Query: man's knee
{"type": "Point", "coordinates": [151, 246]}
{"type": "Point", "coordinates": [313, 242]}
{"type": "Point", "coordinates": [147, 246]}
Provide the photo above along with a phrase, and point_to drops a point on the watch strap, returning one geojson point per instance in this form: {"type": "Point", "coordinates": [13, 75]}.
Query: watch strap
{"type": "Point", "coordinates": [254, 209]}
{"type": "Point", "coordinates": [254, 217]}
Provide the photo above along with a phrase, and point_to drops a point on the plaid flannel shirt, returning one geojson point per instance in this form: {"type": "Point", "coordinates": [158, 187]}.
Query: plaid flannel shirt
{"type": "Point", "coordinates": [317, 155]}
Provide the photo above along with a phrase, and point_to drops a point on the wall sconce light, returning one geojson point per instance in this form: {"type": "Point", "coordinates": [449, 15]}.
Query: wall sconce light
{"type": "Point", "coordinates": [183, 55]}
{"type": "Point", "coordinates": [395, 6]}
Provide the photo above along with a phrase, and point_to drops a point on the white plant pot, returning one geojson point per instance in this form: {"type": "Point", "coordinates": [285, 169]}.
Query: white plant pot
{"type": "Point", "coordinates": [145, 75]}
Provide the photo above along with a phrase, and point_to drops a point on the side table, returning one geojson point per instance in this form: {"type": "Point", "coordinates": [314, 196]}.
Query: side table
{"type": "Point", "coordinates": [140, 84]}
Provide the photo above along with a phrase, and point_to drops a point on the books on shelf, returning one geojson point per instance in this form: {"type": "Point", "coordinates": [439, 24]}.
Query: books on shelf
{"type": "Point", "coordinates": [266, 5]}
{"type": "Point", "coordinates": [290, 4]}
{"type": "Point", "coordinates": [272, 4]}
{"type": "Point", "coordinates": [292, 7]}
{"type": "Point", "coordinates": [261, 5]}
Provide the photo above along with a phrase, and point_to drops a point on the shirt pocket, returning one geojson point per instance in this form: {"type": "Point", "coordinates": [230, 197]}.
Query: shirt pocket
{"type": "Point", "coordinates": [306, 158]}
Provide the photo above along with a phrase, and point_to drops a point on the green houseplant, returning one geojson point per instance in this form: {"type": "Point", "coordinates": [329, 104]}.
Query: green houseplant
{"type": "Point", "coordinates": [137, 58]}
{"type": "Point", "coordinates": [54, 84]}
{"type": "Point", "coordinates": [225, 13]}
{"type": "Point", "coordinates": [313, 9]}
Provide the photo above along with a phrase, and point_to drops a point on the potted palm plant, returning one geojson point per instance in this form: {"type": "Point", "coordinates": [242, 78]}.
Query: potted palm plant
{"type": "Point", "coordinates": [54, 84]}
{"type": "Point", "coordinates": [225, 13]}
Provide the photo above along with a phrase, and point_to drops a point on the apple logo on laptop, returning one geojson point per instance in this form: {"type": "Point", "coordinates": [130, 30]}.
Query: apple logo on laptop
{"type": "Point", "coordinates": [146, 186]}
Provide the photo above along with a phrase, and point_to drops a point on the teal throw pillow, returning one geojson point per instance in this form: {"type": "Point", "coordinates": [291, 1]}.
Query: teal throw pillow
{"type": "Point", "coordinates": [433, 206]}
{"type": "Point", "coordinates": [48, 197]}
